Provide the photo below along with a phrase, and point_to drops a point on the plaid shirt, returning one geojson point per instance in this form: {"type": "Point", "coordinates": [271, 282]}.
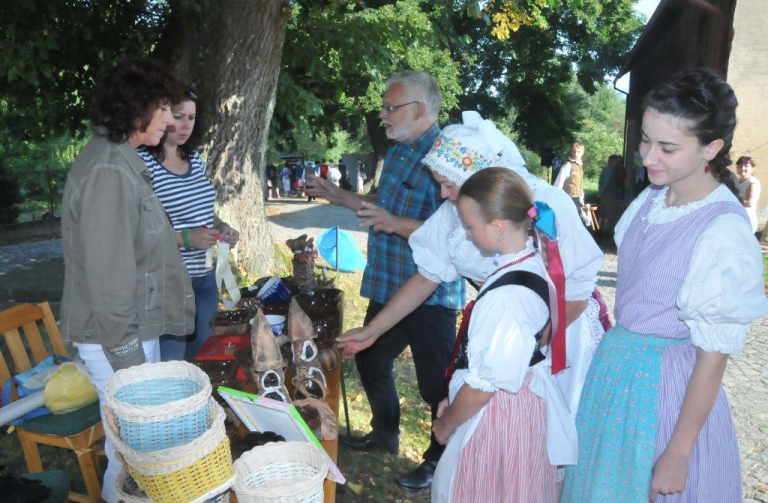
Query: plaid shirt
{"type": "Point", "coordinates": [406, 189]}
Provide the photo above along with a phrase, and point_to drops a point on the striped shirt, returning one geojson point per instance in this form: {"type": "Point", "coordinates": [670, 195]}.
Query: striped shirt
{"type": "Point", "coordinates": [188, 200]}
{"type": "Point", "coordinates": [406, 189]}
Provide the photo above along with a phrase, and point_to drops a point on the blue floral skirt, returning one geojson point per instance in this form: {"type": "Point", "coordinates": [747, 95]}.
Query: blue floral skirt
{"type": "Point", "coordinates": [617, 420]}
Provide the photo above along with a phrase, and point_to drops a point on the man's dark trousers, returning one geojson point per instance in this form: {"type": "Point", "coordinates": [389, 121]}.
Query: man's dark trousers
{"type": "Point", "coordinates": [430, 331]}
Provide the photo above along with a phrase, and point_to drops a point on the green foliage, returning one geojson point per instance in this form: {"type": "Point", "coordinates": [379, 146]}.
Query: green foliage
{"type": "Point", "coordinates": [316, 145]}
{"type": "Point", "coordinates": [602, 129]}
{"type": "Point", "coordinates": [25, 160]}
{"type": "Point", "coordinates": [531, 72]}
{"type": "Point", "coordinates": [53, 52]}
{"type": "Point", "coordinates": [338, 55]}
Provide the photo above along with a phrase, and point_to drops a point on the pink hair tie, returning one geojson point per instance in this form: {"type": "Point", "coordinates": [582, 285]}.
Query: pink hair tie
{"type": "Point", "coordinates": [532, 212]}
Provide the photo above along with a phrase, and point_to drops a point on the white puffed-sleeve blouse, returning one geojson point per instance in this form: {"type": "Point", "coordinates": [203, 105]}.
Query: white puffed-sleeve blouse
{"type": "Point", "coordinates": [443, 252]}
{"type": "Point", "coordinates": [724, 291]}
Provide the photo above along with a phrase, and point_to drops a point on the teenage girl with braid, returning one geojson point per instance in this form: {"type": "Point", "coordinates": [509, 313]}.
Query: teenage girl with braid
{"type": "Point", "coordinates": [653, 421]}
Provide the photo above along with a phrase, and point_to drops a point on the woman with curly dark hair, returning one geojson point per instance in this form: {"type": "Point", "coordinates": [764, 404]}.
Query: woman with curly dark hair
{"type": "Point", "coordinates": [125, 283]}
{"type": "Point", "coordinates": [179, 180]}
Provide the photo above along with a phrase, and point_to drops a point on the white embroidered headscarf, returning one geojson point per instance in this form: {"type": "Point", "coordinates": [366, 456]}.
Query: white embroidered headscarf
{"type": "Point", "coordinates": [461, 150]}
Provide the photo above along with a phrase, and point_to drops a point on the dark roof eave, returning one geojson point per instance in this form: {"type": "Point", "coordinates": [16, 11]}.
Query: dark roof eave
{"type": "Point", "coordinates": [641, 40]}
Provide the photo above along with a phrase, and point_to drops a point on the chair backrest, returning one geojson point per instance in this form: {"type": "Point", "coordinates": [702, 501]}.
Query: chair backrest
{"type": "Point", "coordinates": [20, 323]}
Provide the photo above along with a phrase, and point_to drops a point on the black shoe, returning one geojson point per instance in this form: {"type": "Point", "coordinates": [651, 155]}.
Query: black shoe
{"type": "Point", "coordinates": [420, 478]}
{"type": "Point", "coordinates": [366, 443]}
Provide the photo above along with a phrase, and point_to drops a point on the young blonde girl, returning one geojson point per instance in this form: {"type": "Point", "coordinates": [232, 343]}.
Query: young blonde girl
{"type": "Point", "coordinates": [505, 417]}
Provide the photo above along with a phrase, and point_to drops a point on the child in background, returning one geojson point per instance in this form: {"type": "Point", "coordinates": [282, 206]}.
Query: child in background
{"type": "Point", "coordinates": [507, 425]}
{"type": "Point", "coordinates": [653, 422]}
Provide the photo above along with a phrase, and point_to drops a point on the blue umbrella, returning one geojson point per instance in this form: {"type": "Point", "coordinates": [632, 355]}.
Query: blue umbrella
{"type": "Point", "coordinates": [335, 243]}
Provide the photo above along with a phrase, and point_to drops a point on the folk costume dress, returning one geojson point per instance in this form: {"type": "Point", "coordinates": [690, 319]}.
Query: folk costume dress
{"type": "Point", "coordinates": [502, 453]}
{"type": "Point", "coordinates": [443, 252]}
{"type": "Point", "coordinates": [688, 277]}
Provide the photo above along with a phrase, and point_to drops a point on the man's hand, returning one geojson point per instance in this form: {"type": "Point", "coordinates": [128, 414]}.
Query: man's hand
{"type": "Point", "coordinates": [670, 474]}
{"type": "Point", "coordinates": [319, 187]}
{"type": "Point", "coordinates": [355, 340]}
{"type": "Point", "coordinates": [380, 219]}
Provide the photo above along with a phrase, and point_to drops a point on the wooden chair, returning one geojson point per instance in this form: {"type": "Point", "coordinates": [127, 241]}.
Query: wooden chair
{"type": "Point", "coordinates": [78, 430]}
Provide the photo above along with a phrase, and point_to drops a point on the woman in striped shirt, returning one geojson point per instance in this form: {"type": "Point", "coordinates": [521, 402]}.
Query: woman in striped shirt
{"type": "Point", "coordinates": [179, 181]}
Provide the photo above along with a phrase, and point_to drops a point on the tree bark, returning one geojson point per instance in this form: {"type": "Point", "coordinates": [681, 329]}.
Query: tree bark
{"type": "Point", "coordinates": [231, 51]}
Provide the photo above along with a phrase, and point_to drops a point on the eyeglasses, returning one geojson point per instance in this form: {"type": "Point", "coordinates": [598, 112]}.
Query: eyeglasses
{"type": "Point", "coordinates": [391, 108]}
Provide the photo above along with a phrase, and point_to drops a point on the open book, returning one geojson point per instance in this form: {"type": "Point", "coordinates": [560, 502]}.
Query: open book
{"type": "Point", "coordinates": [264, 414]}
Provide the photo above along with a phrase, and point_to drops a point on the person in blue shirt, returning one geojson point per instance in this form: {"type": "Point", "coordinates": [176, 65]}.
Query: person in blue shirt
{"type": "Point", "coordinates": [406, 197]}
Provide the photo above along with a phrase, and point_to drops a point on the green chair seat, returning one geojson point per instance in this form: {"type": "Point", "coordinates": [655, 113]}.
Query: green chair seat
{"type": "Point", "coordinates": [65, 424]}
{"type": "Point", "coordinates": [55, 480]}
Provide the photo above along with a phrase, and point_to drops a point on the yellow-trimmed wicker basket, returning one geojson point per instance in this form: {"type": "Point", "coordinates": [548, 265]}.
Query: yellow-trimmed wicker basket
{"type": "Point", "coordinates": [282, 472]}
{"type": "Point", "coordinates": [191, 473]}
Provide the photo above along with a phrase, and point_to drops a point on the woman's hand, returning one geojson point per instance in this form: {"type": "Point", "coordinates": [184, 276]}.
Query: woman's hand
{"type": "Point", "coordinates": [355, 340]}
{"type": "Point", "coordinates": [228, 234]}
{"type": "Point", "coordinates": [441, 430]}
{"type": "Point", "coordinates": [203, 238]}
{"type": "Point", "coordinates": [670, 474]}
{"type": "Point", "coordinates": [441, 407]}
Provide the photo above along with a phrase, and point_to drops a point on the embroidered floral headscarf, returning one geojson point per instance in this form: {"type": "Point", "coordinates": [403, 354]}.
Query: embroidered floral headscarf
{"type": "Point", "coordinates": [463, 149]}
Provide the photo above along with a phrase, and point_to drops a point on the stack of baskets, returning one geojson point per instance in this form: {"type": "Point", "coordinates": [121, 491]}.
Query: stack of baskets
{"type": "Point", "coordinates": [169, 431]}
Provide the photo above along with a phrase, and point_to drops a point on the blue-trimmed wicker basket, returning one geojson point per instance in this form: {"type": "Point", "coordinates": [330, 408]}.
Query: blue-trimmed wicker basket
{"type": "Point", "coordinates": [159, 405]}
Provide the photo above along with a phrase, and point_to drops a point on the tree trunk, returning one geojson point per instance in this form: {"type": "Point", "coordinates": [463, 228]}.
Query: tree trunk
{"type": "Point", "coordinates": [231, 52]}
{"type": "Point", "coordinates": [380, 144]}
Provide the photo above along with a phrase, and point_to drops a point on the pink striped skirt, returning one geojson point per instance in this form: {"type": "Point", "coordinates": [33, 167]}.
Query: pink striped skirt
{"type": "Point", "coordinates": [506, 459]}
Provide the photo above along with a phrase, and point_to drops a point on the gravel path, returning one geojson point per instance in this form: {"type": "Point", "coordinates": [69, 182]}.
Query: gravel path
{"type": "Point", "coordinates": [290, 217]}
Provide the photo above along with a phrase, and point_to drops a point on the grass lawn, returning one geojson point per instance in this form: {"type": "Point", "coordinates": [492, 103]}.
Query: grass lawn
{"type": "Point", "coordinates": [765, 268]}
{"type": "Point", "coordinates": [36, 206]}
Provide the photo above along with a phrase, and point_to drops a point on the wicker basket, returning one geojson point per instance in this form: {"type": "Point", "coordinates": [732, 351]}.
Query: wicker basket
{"type": "Point", "coordinates": [284, 472]}
{"type": "Point", "coordinates": [191, 473]}
{"type": "Point", "coordinates": [129, 491]}
{"type": "Point", "coordinates": [159, 405]}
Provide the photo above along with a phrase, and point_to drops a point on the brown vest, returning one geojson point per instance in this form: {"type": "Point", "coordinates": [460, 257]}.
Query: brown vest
{"type": "Point", "coordinates": [575, 183]}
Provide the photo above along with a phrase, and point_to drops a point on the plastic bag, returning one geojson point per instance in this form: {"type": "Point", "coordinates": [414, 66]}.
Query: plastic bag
{"type": "Point", "coordinates": [30, 382]}
{"type": "Point", "coordinates": [69, 389]}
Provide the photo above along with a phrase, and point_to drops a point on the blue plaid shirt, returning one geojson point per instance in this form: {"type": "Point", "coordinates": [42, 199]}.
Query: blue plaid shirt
{"type": "Point", "coordinates": [406, 189]}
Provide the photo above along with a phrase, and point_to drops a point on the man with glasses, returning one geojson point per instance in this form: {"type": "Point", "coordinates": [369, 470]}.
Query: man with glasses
{"type": "Point", "coordinates": [407, 195]}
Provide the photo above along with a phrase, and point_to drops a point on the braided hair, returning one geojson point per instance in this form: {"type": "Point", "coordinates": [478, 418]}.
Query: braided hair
{"type": "Point", "coordinates": [708, 102]}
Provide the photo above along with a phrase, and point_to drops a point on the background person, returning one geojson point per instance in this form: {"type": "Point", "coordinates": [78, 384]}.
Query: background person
{"type": "Point", "coordinates": [570, 178]}
{"type": "Point", "coordinates": [273, 179]}
{"type": "Point", "coordinates": [179, 180]}
{"type": "Point", "coordinates": [125, 283]}
{"type": "Point", "coordinates": [749, 188]}
{"type": "Point", "coordinates": [285, 176]}
{"type": "Point", "coordinates": [654, 422]}
{"type": "Point", "coordinates": [407, 196]}
{"type": "Point", "coordinates": [360, 177]}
